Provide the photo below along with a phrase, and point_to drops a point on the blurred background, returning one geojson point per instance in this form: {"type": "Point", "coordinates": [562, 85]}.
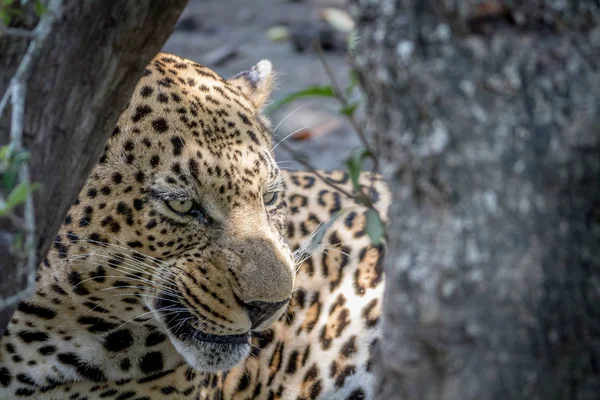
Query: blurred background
{"type": "Point", "coordinates": [230, 36]}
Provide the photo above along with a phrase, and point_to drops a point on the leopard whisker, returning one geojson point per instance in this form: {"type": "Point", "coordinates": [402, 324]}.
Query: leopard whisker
{"type": "Point", "coordinates": [143, 295]}
{"type": "Point", "coordinates": [160, 285]}
{"type": "Point", "coordinates": [290, 135]}
{"type": "Point", "coordinates": [124, 247]}
{"type": "Point", "coordinates": [181, 323]}
{"type": "Point", "coordinates": [136, 268]}
{"type": "Point", "coordinates": [100, 245]}
{"type": "Point", "coordinates": [134, 264]}
{"type": "Point", "coordinates": [201, 323]}
{"type": "Point", "coordinates": [289, 169]}
{"type": "Point", "coordinates": [326, 249]}
{"type": "Point", "coordinates": [167, 290]}
{"type": "Point", "coordinates": [173, 311]}
{"type": "Point", "coordinates": [253, 346]}
{"type": "Point", "coordinates": [286, 117]}
{"type": "Point", "coordinates": [141, 315]}
{"type": "Point", "coordinates": [302, 260]}
{"type": "Point", "coordinates": [137, 295]}
{"type": "Point", "coordinates": [124, 287]}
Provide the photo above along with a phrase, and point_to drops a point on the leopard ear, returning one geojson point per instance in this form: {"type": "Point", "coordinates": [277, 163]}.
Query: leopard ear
{"type": "Point", "coordinates": [256, 83]}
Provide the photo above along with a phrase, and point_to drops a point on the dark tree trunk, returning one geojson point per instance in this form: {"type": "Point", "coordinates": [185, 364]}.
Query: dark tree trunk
{"type": "Point", "coordinates": [486, 116]}
{"type": "Point", "coordinates": [79, 84]}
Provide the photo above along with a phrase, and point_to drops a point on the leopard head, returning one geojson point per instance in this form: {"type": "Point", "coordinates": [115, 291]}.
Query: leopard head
{"type": "Point", "coordinates": [187, 209]}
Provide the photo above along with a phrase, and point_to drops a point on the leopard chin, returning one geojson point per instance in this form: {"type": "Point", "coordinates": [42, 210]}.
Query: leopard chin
{"type": "Point", "coordinates": [202, 351]}
{"type": "Point", "coordinates": [211, 356]}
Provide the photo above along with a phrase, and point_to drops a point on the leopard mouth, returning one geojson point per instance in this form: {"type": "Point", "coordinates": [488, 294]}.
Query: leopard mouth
{"type": "Point", "coordinates": [178, 324]}
{"type": "Point", "coordinates": [222, 339]}
{"type": "Point", "coordinates": [202, 351]}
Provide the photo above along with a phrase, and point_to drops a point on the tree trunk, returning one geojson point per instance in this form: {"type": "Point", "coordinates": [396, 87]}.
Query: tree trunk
{"type": "Point", "coordinates": [486, 120]}
{"type": "Point", "coordinates": [80, 82]}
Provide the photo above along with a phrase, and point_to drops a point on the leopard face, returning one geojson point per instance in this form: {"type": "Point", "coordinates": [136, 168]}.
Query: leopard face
{"type": "Point", "coordinates": [206, 206]}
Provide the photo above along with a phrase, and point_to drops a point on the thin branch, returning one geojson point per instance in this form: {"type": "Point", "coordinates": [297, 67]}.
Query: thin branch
{"type": "Point", "coordinates": [16, 221]}
{"type": "Point", "coordinates": [434, 194]}
{"type": "Point", "coordinates": [39, 35]}
{"type": "Point", "coordinates": [4, 100]}
{"type": "Point", "coordinates": [300, 158]}
{"type": "Point", "coordinates": [41, 31]}
{"type": "Point", "coordinates": [16, 136]}
{"type": "Point", "coordinates": [358, 128]}
{"type": "Point", "coordinates": [16, 32]}
{"type": "Point", "coordinates": [339, 94]}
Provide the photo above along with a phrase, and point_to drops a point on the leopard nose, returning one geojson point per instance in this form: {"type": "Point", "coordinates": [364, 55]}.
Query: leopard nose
{"type": "Point", "coordinates": [260, 311]}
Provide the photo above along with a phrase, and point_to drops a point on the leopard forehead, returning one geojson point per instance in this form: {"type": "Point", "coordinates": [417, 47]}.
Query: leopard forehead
{"type": "Point", "coordinates": [185, 122]}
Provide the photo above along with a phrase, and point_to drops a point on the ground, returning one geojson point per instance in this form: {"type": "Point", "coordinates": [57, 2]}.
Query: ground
{"type": "Point", "coordinates": [208, 27]}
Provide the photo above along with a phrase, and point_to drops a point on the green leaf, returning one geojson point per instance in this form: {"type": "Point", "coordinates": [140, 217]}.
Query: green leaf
{"type": "Point", "coordinates": [349, 109]}
{"type": "Point", "coordinates": [3, 208]}
{"type": "Point", "coordinates": [375, 228]}
{"type": "Point", "coordinates": [40, 8]}
{"type": "Point", "coordinates": [19, 194]}
{"type": "Point", "coordinates": [9, 178]}
{"type": "Point", "coordinates": [312, 91]}
{"type": "Point", "coordinates": [10, 165]}
{"type": "Point", "coordinates": [8, 11]}
{"type": "Point", "coordinates": [5, 17]}
{"type": "Point", "coordinates": [354, 164]}
{"type": "Point", "coordinates": [4, 152]}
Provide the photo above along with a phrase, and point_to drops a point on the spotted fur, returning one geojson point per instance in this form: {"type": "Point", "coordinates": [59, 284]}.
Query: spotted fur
{"type": "Point", "coordinates": [172, 274]}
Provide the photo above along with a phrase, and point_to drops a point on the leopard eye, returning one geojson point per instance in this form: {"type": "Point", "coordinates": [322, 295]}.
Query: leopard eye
{"type": "Point", "coordinates": [269, 198]}
{"type": "Point", "coordinates": [180, 206]}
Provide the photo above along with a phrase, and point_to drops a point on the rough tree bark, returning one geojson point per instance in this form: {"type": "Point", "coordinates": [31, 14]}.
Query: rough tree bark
{"type": "Point", "coordinates": [80, 81]}
{"type": "Point", "coordinates": [486, 117]}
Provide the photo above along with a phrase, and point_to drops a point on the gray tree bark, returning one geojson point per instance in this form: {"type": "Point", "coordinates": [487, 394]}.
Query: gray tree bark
{"type": "Point", "coordinates": [80, 82]}
{"type": "Point", "coordinates": [486, 116]}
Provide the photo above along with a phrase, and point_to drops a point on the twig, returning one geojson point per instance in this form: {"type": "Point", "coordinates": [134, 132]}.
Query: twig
{"type": "Point", "coordinates": [17, 32]}
{"type": "Point", "coordinates": [39, 34]}
{"type": "Point", "coordinates": [430, 190]}
{"type": "Point", "coordinates": [300, 158]}
{"type": "Point", "coordinates": [339, 94]}
{"type": "Point", "coordinates": [16, 136]}
{"type": "Point", "coordinates": [4, 100]}
{"type": "Point", "coordinates": [16, 221]}
{"type": "Point", "coordinates": [341, 97]}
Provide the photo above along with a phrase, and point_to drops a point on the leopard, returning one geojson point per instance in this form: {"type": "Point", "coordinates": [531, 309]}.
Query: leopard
{"type": "Point", "coordinates": [191, 266]}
